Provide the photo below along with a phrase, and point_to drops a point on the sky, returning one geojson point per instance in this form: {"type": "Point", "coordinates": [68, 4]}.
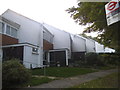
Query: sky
{"type": "Point", "coordinates": [51, 12]}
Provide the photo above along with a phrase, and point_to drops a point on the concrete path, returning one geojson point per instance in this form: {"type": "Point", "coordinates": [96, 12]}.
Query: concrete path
{"type": "Point", "coordinates": [72, 81]}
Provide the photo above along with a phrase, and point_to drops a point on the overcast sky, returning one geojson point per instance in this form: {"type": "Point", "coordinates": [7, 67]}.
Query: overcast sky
{"type": "Point", "coordinates": [51, 12]}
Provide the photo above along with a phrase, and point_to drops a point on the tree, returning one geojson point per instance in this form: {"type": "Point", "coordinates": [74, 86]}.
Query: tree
{"type": "Point", "coordinates": [93, 13]}
{"type": "Point", "coordinates": [90, 37]}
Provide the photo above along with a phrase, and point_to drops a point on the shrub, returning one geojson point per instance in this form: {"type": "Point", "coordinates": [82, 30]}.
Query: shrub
{"type": "Point", "coordinates": [110, 58]}
{"type": "Point", "coordinates": [93, 59]}
{"type": "Point", "coordinates": [14, 73]}
{"type": "Point", "coordinates": [80, 63]}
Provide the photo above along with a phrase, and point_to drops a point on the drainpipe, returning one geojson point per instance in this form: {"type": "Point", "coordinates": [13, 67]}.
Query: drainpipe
{"type": "Point", "coordinates": [85, 46]}
{"type": "Point", "coordinates": [40, 57]}
{"type": "Point", "coordinates": [95, 47]}
{"type": "Point", "coordinates": [48, 58]}
{"type": "Point", "coordinates": [66, 57]}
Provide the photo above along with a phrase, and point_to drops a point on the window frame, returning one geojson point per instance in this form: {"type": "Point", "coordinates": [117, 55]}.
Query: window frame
{"type": "Point", "coordinates": [16, 32]}
{"type": "Point", "coordinates": [9, 30]}
{"type": "Point", "coordinates": [5, 30]}
{"type": "Point", "coordinates": [2, 27]}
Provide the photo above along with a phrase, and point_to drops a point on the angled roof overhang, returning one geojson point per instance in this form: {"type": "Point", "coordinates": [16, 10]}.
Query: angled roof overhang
{"type": "Point", "coordinates": [10, 22]}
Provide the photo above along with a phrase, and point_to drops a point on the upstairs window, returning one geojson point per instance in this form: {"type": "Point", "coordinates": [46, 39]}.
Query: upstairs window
{"type": "Point", "coordinates": [8, 30]}
{"type": "Point", "coordinates": [2, 27]}
{"type": "Point", "coordinates": [11, 31]}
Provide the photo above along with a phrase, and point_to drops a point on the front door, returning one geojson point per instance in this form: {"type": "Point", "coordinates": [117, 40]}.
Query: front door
{"type": "Point", "coordinates": [58, 57]}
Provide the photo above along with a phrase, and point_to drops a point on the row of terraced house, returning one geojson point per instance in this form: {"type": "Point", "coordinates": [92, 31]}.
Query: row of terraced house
{"type": "Point", "coordinates": [37, 44]}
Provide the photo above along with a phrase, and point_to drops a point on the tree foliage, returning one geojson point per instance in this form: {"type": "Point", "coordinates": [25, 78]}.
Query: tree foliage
{"type": "Point", "coordinates": [93, 13]}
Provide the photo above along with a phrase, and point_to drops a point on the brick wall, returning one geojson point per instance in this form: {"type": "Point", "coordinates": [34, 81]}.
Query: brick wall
{"type": "Point", "coordinates": [7, 40]}
{"type": "Point", "coordinates": [47, 45]}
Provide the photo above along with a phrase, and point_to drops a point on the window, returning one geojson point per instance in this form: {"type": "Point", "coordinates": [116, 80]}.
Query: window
{"type": "Point", "coordinates": [1, 27]}
{"type": "Point", "coordinates": [8, 30]}
{"type": "Point", "coordinates": [13, 32]}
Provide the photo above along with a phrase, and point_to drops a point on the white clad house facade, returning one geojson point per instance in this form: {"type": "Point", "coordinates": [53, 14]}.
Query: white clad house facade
{"type": "Point", "coordinates": [78, 43]}
{"type": "Point", "coordinates": [61, 52]}
{"type": "Point", "coordinates": [90, 45]}
{"type": "Point", "coordinates": [38, 44]}
{"type": "Point", "coordinates": [109, 50]}
{"type": "Point", "coordinates": [78, 48]}
{"type": "Point", "coordinates": [99, 47]}
{"type": "Point", "coordinates": [27, 43]}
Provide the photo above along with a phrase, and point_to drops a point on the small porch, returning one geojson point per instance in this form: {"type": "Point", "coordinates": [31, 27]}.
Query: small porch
{"type": "Point", "coordinates": [57, 57]}
{"type": "Point", "coordinates": [28, 54]}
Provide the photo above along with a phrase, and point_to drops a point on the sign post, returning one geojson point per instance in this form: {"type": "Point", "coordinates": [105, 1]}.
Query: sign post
{"type": "Point", "coordinates": [112, 11]}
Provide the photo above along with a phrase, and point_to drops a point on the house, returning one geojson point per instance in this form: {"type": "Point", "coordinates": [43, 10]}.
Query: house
{"type": "Point", "coordinates": [39, 44]}
{"type": "Point", "coordinates": [109, 50]}
{"type": "Point", "coordinates": [99, 47]}
{"type": "Point", "coordinates": [61, 46]}
{"type": "Point", "coordinates": [22, 38]}
{"type": "Point", "coordinates": [78, 48]}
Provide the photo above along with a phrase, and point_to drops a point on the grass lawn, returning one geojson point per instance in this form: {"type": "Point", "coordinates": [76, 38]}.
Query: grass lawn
{"type": "Point", "coordinates": [107, 67]}
{"type": "Point", "coordinates": [37, 81]}
{"type": "Point", "coordinates": [57, 72]}
{"type": "Point", "coordinates": [109, 81]}
{"type": "Point", "coordinates": [62, 71]}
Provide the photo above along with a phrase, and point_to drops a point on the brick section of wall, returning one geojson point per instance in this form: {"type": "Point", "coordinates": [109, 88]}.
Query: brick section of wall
{"type": "Point", "coordinates": [7, 40]}
{"type": "Point", "coordinates": [47, 45]}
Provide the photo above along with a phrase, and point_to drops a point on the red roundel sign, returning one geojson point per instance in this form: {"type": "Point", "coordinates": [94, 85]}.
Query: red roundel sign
{"type": "Point", "coordinates": [111, 5]}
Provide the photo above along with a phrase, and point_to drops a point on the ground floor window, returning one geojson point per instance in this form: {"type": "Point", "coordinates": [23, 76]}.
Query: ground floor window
{"type": "Point", "coordinates": [13, 52]}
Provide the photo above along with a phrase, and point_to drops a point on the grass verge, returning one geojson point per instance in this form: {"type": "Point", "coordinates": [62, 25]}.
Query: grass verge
{"type": "Point", "coordinates": [37, 81]}
{"type": "Point", "coordinates": [62, 71]}
{"type": "Point", "coordinates": [109, 81]}
{"type": "Point", "coordinates": [108, 67]}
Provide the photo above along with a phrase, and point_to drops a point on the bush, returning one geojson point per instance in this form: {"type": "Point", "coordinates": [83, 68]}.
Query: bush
{"type": "Point", "coordinates": [93, 59]}
{"type": "Point", "coordinates": [14, 73]}
{"type": "Point", "coordinates": [96, 60]}
{"type": "Point", "coordinates": [80, 63]}
{"type": "Point", "coordinates": [110, 58]}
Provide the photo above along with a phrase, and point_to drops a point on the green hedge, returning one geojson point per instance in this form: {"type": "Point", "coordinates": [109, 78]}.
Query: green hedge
{"type": "Point", "coordinates": [102, 59]}
{"type": "Point", "coordinates": [14, 73]}
{"type": "Point", "coordinates": [110, 58]}
{"type": "Point", "coordinates": [93, 59]}
{"type": "Point", "coordinates": [96, 60]}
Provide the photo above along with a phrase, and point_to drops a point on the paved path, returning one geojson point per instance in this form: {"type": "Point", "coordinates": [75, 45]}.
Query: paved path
{"type": "Point", "coordinates": [72, 81]}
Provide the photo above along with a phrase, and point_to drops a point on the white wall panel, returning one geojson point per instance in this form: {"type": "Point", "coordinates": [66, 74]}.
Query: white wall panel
{"type": "Point", "coordinates": [109, 50]}
{"type": "Point", "coordinates": [78, 44]}
{"type": "Point", "coordinates": [47, 35]}
{"type": "Point", "coordinates": [30, 58]}
{"type": "Point", "coordinates": [99, 47]}
{"type": "Point", "coordinates": [61, 38]}
{"type": "Point", "coordinates": [90, 45]}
